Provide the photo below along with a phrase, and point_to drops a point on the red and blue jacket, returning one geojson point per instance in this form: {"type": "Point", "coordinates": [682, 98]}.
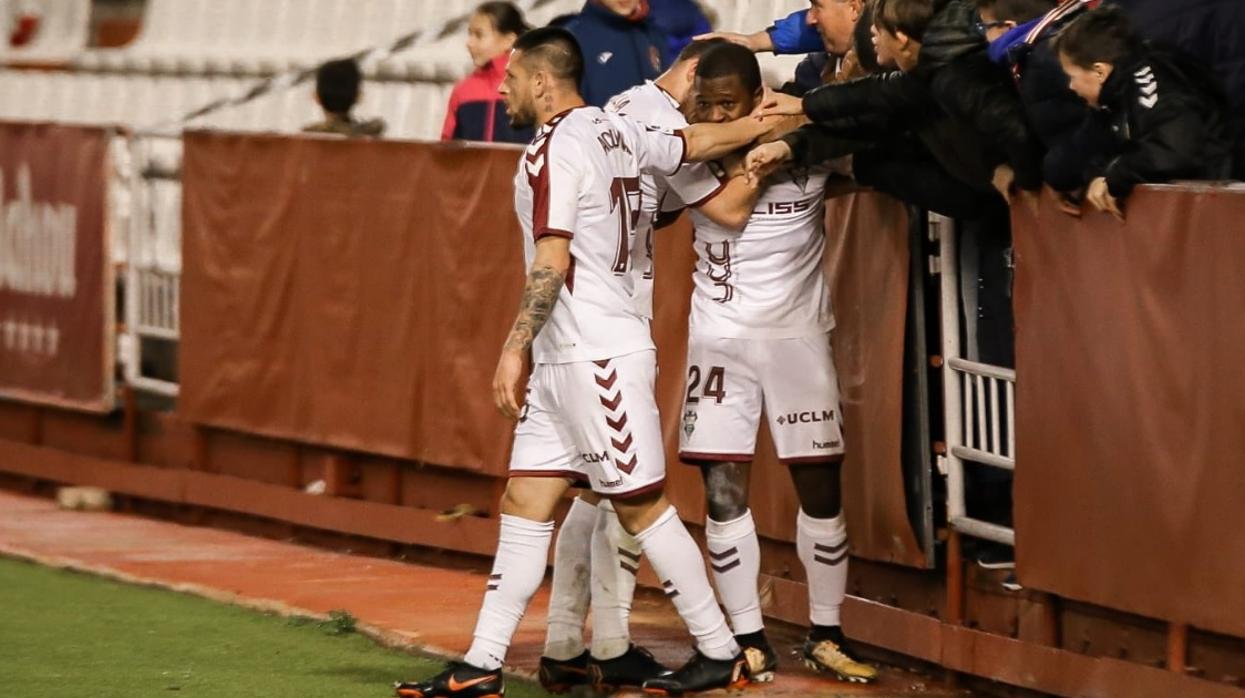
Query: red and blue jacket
{"type": "Point", "coordinates": [476, 111]}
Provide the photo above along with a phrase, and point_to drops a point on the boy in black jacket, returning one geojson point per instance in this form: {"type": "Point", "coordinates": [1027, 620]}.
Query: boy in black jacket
{"type": "Point", "coordinates": [1165, 116]}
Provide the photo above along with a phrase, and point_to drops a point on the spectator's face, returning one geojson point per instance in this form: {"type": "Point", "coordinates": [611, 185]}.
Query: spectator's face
{"type": "Point", "coordinates": [885, 60]}
{"type": "Point", "coordinates": [1086, 82]}
{"type": "Point", "coordinates": [995, 28]}
{"type": "Point", "coordinates": [897, 47]}
{"type": "Point", "coordinates": [484, 42]}
{"type": "Point", "coordinates": [718, 100]}
{"type": "Point", "coordinates": [835, 20]}
{"type": "Point", "coordinates": [516, 89]}
{"type": "Point", "coordinates": [620, 7]}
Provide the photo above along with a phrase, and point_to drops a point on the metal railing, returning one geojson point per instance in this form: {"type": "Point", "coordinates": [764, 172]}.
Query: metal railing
{"type": "Point", "coordinates": [153, 260]}
{"type": "Point", "coordinates": [979, 401]}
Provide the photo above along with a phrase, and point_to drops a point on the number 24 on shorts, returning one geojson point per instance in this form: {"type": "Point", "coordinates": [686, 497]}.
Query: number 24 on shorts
{"type": "Point", "coordinates": [714, 387]}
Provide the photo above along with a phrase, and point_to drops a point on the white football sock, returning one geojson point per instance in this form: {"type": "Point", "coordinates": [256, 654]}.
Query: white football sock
{"type": "Point", "coordinates": [568, 598]}
{"type": "Point", "coordinates": [735, 557]}
{"type": "Point", "coordinates": [681, 569]}
{"type": "Point", "coordinates": [822, 547]}
{"type": "Point", "coordinates": [518, 570]}
{"type": "Point", "coordinates": [615, 560]}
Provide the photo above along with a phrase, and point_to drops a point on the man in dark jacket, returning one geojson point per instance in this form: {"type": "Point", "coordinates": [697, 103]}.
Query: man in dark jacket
{"type": "Point", "coordinates": [826, 32]}
{"type": "Point", "coordinates": [1167, 115]}
{"type": "Point", "coordinates": [621, 47]}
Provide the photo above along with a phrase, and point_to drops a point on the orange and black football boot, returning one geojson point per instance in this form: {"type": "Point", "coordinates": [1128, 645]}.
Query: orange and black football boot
{"type": "Point", "coordinates": [701, 674]}
{"type": "Point", "coordinates": [459, 680]}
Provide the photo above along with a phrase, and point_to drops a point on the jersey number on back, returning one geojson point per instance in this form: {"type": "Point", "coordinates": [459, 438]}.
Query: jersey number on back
{"type": "Point", "coordinates": [625, 203]}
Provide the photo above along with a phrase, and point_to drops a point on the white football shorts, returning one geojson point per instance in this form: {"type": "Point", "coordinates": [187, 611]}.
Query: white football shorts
{"type": "Point", "coordinates": [593, 421]}
{"type": "Point", "coordinates": [730, 381]}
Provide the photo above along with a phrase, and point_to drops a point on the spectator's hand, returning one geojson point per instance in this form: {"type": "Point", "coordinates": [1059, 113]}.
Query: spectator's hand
{"type": "Point", "coordinates": [1004, 179]}
{"type": "Point", "coordinates": [849, 67]}
{"type": "Point", "coordinates": [1099, 196]}
{"type": "Point", "coordinates": [764, 159]}
{"type": "Point", "coordinates": [757, 42]}
{"type": "Point", "coordinates": [779, 104]}
{"type": "Point", "coordinates": [775, 127]}
{"type": "Point", "coordinates": [506, 383]}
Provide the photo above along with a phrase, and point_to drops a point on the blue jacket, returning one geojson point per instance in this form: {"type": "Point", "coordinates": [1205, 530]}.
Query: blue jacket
{"type": "Point", "coordinates": [678, 21]}
{"type": "Point", "coordinates": [618, 53]}
{"type": "Point", "coordinates": [793, 34]}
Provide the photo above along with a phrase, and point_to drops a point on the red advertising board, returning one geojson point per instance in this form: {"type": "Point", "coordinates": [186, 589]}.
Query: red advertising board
{"type": "Point", "coordinates": [56, 288]}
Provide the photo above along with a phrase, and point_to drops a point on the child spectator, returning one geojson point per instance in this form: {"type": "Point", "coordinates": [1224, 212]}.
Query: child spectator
{"type": "Point", "coordinates": [1160, 115]}
{"type": "Point", "coordinates": [337, 91]}
{"type": "Point", "coordinates": [1208, 30]}
{"type": "Point", "coordinates": [476, 111]}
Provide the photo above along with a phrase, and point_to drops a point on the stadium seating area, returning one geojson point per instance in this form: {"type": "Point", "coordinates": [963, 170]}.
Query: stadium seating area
{"type": "Point", "coordinates": [62, 30]}
{"type": "Point", "coordinates": [191, 53]}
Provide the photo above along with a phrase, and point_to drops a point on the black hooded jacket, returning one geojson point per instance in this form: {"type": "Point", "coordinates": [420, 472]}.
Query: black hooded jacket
{"type": "Point", "coordinates": [1168, 120]}
{"type": "Point", "coordinates": [970, 87]}
{"type": "Point", "coordinates": [1213, 31]}
{"type": "Point", "coordinates": [1053, 109]}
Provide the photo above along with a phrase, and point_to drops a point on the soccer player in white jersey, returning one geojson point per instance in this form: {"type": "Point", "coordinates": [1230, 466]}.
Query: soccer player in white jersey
{"type": "Point", "coordinates": [760, 343]}
{"type": "Point", "coordinates": [591, 530]}
{"type": "Point", "coordinates": [590, 411]}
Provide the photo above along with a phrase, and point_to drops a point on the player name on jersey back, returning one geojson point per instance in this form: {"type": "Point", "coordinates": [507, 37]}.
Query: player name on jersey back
{"type": "Point", "coordinates": [580, 179]}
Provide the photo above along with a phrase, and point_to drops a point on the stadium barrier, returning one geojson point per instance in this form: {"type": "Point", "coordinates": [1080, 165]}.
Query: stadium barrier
{"type": "Point", "coordinates": [56, 277]}
{"type": "Point", "coordinates": [979, 400]}
{"type": "Point", "coordinates": [355, 296]}
{"type": "Point", "coordinates": [149, 175]}
{"type": "Point", "coordinates": [1129, 431]}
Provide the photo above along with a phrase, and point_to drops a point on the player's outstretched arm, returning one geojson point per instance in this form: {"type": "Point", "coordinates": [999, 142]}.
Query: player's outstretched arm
{"type": "Point", "coordinates": [707, 141]}
{"type": "Point", "coordinates": [756, 42]}
{"type": "Point", "coordinates": [732, 207]}
{"type": "Point", "coordinates": [540, 295]}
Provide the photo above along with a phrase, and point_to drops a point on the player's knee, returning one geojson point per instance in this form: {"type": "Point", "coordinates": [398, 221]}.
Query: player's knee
{"type": "Point", "coordinates": [821, 507]}
{"type": "Point", "coordinates": [638, 513]}
{"type": "Point", "coordinates": [817, 486]}
{"type": "Point", "coordinates": [726, 490]}
{"type": "Point", "coordinates": [725, 510]}
{"type": "Point", "coordinates": [532, 498]}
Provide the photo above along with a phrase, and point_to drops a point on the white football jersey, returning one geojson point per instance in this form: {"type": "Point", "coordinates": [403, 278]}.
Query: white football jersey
{"type": "Point", "coordinates": [766, 281]}
{"type": "Point", "coordinates": [694, 184]}
{"type": "Point", "coordinates": [580, 179]}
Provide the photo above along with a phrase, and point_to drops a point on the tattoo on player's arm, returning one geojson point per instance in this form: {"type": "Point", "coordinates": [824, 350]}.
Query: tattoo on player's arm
{"type": "Point", "coordinates": [540, 294]}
